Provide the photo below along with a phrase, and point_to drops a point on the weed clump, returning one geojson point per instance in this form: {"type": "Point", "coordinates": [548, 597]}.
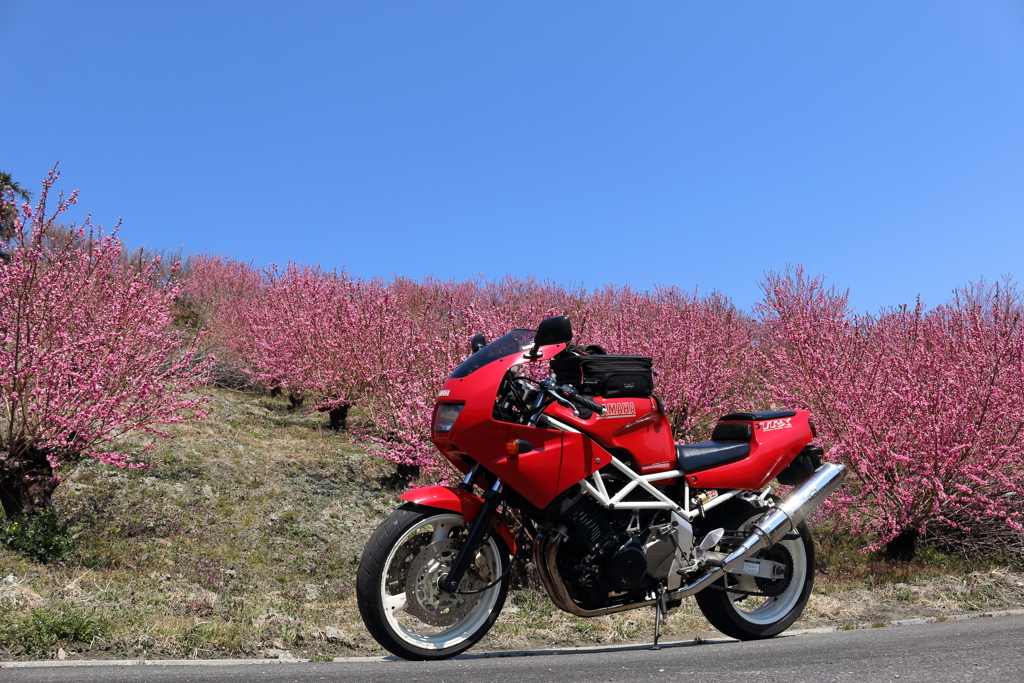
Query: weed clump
{"type": "Point", "coordinates": [43, 629]}
{"type": "Point", "coordinates": [43, 537]}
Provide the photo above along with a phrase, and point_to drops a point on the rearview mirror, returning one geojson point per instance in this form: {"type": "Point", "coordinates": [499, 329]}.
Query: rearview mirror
{"type": "Point", "coordinates": [557, 330]}
{"type": "Point", "coordinates": [478, 342]}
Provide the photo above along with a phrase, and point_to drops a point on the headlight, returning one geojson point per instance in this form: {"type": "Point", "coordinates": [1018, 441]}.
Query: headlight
{"type": "Point", "coordinates": [444, 418]}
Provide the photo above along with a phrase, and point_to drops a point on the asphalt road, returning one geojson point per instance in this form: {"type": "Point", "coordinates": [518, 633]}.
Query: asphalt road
{"type": "Point", "coordinates": [987, 649]}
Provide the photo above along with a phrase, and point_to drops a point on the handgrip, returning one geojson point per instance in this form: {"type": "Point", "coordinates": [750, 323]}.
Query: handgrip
{"type": "Point", "coordinates": [581, 400]}
{"type": "Point", "coordinates": [589, 403]}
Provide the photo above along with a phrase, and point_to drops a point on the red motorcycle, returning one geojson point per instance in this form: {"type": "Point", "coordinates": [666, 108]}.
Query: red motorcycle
{"type": "Point", "coordinates": [619, 516]}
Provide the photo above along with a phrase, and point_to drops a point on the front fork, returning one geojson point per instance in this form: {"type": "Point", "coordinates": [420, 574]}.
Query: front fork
{"type": "Point", "coordinates": [477, 530]}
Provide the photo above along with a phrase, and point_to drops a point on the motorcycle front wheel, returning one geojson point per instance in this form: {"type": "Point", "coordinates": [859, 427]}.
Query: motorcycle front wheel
{"type": "Point", "coordinates": [729, 608]}
{"type": "Point", "coordinates": [399, 577]}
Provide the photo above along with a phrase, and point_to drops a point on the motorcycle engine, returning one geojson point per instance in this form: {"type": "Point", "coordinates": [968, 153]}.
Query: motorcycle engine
{"type": "Point", "coordinates": [616, 551]}
{"type": "Point", "coordinates": [627, 567]}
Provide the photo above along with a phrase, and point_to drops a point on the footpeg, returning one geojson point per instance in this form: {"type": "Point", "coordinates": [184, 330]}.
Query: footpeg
{"type": "Point", "coordinates": [713, 559]}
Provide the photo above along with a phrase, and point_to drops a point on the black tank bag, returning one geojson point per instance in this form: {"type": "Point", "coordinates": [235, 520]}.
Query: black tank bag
{"type": "Point", "coordinates": [606, 375]}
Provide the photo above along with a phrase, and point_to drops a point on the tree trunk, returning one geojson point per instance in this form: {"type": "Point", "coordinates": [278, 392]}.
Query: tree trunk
{"type": "Point", "coordinates": [27, 482]}
{"type": "Point", "coordinates": [409, 472]}
{"type": "Point", "coordinates": [402, 476]}
{"type": "Point", "coordinates": [296, 401]}
{"type": "Point", "coordinates": [339, 417]}
{"type": "Point", "coordinates": [902, 548]}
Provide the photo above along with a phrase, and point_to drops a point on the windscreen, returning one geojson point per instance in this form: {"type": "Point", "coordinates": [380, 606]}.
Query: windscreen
{"type": "Point", "coordinates": [513, 342]}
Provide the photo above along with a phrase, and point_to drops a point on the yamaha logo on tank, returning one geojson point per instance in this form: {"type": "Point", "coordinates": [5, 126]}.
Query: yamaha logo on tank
{"type": "Point", "coordinates": [620, 409]}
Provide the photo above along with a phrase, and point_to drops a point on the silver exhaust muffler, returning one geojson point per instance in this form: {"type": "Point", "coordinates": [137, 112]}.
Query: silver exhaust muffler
{"type": "Point", "coordinates": [792, 510]}
{"type": "Point", "coordinates": [783, 519]}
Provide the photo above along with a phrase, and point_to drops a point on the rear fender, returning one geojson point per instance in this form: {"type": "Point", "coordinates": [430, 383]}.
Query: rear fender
{"type": "Point", "coordinates": [457, 500]}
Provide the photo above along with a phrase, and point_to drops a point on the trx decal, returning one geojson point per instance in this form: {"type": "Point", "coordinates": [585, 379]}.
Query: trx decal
{"type": "Point", "coordinates": [621, 409]}
{"type": "Point", "coordinates": [444, 392]}
{"type": "Point", "coordinates": [772, 425]}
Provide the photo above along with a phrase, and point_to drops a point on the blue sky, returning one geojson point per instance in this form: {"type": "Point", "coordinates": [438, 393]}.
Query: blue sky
{"type": "Point", "coordinates": [690, 144]}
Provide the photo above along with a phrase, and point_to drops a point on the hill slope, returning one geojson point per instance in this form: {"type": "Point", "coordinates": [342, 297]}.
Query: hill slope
{"type": "Point", "coordinates": [244, 540]}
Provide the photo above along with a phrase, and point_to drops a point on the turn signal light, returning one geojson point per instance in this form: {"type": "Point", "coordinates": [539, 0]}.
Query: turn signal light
{"type": "Point", "coordinates": [517, 446]}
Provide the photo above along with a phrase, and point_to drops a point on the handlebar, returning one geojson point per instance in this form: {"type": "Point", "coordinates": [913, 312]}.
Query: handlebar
{"type": "Point", "coordinates": [565, 394]}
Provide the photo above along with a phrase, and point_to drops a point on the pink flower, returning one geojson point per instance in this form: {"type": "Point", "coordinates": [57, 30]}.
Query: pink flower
{"type": "Point", "coordinates": [90, 348]}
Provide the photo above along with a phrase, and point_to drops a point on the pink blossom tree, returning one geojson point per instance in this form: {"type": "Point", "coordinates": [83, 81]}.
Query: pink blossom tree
{"type": "Point", "coordinates": [87, 353]}
{"type": "Point", "coordinates": [389, 346]}
{"type": "Point", "coordinates": [214, 292]}
{"type": "Point", "coordinates": [926, 407]}
{"type": "Point", "coordinates": [300, 333]}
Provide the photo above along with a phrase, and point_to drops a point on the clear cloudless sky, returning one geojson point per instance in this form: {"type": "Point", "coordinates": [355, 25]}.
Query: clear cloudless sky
{"type": "Point", "coordinates": [689, 144]}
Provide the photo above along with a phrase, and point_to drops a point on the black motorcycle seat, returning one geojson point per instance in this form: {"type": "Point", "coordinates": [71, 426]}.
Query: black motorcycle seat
{"type": "Point", "coordinates": [757, 417]}
{"type": "Point", "coordinates": [695, 457]}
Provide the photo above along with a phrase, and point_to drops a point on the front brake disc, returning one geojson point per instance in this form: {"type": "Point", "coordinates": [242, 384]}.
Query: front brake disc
{"type": "Point", "coordinates": [399, 567]}
{"type": "Point", "coordinates": [430, 567]}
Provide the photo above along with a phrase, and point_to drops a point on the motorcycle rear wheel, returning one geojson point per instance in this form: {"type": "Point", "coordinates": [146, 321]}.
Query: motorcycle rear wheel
{"type": "Point", "coordinates": [397, 585]}
{"type": "Point", "coordinates": [750, 617]}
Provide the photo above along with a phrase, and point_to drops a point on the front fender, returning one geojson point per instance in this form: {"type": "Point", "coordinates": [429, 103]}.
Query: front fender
{"type": "Point", "coordinates": [457, 500]}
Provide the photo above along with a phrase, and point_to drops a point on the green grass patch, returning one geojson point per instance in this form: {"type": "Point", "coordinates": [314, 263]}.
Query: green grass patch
{"type": "Point", "coordinates": [43, 629]}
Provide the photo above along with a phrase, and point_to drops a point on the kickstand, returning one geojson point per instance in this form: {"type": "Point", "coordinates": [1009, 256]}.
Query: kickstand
{"type": "Point", "coordinates": [660, 611]}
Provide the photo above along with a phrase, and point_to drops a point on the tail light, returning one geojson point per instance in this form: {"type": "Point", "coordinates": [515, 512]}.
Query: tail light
{"type": "Point", "coordinates": [445, 416]}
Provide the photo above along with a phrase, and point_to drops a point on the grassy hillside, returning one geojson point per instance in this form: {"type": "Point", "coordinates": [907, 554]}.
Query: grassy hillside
{"type": "Point", "coordinates": [244, 541]}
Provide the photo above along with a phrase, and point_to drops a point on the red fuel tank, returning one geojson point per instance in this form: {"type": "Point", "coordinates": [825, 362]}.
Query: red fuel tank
{"type": "Point", "coordinates": [636, 425]}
